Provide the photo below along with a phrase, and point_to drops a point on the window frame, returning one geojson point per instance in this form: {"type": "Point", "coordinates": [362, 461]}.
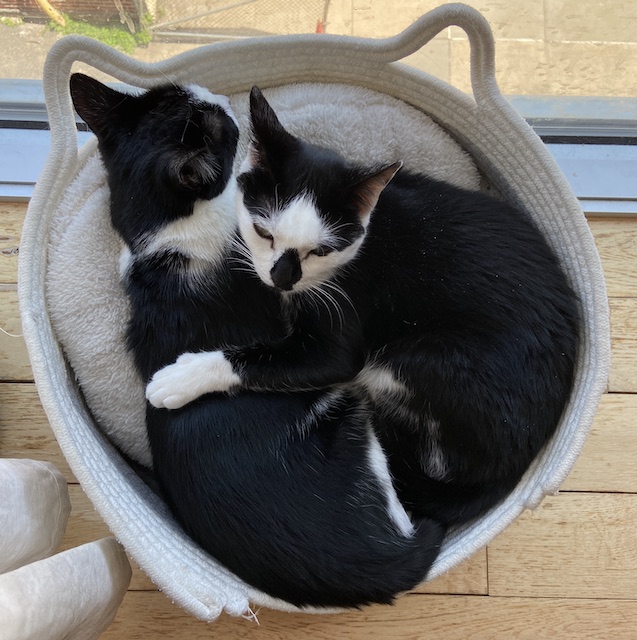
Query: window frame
{"type": "Point", "coordinates": [593, 140]}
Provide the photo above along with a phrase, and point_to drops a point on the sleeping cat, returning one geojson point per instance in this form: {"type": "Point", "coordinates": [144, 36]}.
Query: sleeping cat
{"type": "Point", "coordinates": [446, 307]}
{"type": "Point", "coordinates": [291, 492]}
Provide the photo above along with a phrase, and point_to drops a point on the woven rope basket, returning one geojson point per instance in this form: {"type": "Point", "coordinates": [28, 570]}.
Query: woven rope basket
{"type": "Point", "coordinates": [509, 156]}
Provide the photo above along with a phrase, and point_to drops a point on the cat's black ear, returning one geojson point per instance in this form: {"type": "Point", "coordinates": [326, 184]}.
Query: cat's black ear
{"type": "Point", "coordinates": [270, 141]}
{"type": "Point", "coordinates": [97, 104]}
{"type": "Point", "coordinates": [367, 191]}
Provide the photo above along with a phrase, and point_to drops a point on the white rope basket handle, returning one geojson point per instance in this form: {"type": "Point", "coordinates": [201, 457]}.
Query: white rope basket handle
{"type": "Point", "coordinates": [235, 67]}
{"type": "Point", "coordinates": [303, 49]}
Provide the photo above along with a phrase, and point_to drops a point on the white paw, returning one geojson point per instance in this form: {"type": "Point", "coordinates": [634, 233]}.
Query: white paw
{"type": "Point", "coordinates": [193, 375]}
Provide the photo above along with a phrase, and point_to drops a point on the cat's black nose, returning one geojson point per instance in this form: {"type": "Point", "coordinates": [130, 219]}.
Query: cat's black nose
{"type": "Point", "coordinates": [287, 270]}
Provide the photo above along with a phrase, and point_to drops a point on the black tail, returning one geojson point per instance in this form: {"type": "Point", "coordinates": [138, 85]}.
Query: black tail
{"type": "Point", "coordinates": [380, 577]}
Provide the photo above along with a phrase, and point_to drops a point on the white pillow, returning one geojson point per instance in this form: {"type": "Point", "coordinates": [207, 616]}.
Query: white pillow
{"type": "Point", "coordinates": [73, 595]}
{"type": "Point", "coordinates": [34, 510]}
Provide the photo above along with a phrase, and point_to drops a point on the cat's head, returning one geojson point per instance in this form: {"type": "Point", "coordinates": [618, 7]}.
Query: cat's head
{"type": "Point", "coordinates": [171, 145]}
{"type": "Point", "coordinates": [303, 210]}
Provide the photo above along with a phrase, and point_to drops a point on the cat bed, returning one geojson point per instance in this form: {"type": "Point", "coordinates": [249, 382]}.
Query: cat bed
{"type": "Point", "coordinates": [365, 104]}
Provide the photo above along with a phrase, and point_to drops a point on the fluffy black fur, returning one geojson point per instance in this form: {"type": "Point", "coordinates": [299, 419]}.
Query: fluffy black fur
{"type": "Point", "coordinates": [277, 486]}
{"type": "Point", "coordinates": [453, 293]}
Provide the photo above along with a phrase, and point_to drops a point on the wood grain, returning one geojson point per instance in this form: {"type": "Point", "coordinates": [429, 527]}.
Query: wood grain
{"type": "Point", "coordinates": [616, 242]}
{"type": "Point", "coordinates": [574, 545]}
{"type": "Point", "coordinates": [468, 578]}
{"type": "Point", "coordinates": [623, 321]}
{"type": "Point", "coordinates": [15, 366]}
{"type": "Point", "coordinates": [12, 218]}
{"type": "Point", "coordinates": [608, 461]}
{"type": "Point", "coordinates": [14, 359]}
{"type": "Point", "coordinates": [25, 433]}
{"type": "Point", "coordinates": [24, 428]}
{"type": "Point", "coordinates": [146, 615]}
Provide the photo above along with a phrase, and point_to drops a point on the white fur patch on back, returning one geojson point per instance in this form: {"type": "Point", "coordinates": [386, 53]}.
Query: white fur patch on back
{"type": "Point", "coordinates": [378, 381]}
{"type": "Point", "coordinates": [435, 463]}
{"type": "Point", "coordinates": [386, 391]}
{"type": "Point", "coordinates": [379, 467]}
{"type": "Point", "coordinates": [318, 411]}
{"type": "Point", "coordinates": [388, 394]}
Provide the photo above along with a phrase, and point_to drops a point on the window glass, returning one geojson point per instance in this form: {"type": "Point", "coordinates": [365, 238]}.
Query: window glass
{"type": "Point", "coordinates": [543, 47]}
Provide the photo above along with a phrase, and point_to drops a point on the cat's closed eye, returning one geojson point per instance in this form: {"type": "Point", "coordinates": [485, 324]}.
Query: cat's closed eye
{"type": "Point", "coordinates": [322, 251]}
{"type": "Point", "coordinates": [261, 232]}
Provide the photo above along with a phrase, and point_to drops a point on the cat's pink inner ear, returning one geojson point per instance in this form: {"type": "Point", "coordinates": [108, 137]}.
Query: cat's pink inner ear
{"type": "Point", "coordinates": [368, 190]}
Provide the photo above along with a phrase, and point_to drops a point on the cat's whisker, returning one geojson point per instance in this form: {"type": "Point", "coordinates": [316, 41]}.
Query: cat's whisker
{"type": "Point", "coordinates": [262, 210]}
{"type": "Point", "coordinates": [337, 228]}
{"type": "Point", "coordinates": [188, 121]}
{"type": "Point", "coordinates": [242, 262]}
{"type": "Point", "coordinates": [316, 300]}
{"type": "Point", "coordinates": [169, 79]}
{"type": "Point", "coordinates": [245, 270]}
{"type": "Point", "coordinates": [326, 299]}
{"type": "Point", "coordinates": [243, 252]}
{"type": "Point", "coordinates": [183, 133]}
{"type": "Point", "coordinates": [329, 301]}
{"type": "Point", "coordinates": [276, 197]}
{"type": "Point", "coordinates": [334, 287]}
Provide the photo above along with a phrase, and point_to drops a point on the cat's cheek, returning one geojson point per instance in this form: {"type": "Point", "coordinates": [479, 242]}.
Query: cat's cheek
{"type": "Point", "coordinates": [263, 267]}
{"type": "Point", "coordinates": [263, 259]}
{"type": "Point", "coordinates": [317, 270]}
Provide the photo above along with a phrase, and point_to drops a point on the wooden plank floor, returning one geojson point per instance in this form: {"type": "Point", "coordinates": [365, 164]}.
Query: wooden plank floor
{"type": "Point", "coordinates": [566, 570]}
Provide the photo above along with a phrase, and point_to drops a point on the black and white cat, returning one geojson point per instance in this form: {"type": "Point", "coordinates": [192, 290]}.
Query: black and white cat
{"type": "Point", "coordinates": [447, 307]}
{"type": "Point", "coordinates": [291, 492]}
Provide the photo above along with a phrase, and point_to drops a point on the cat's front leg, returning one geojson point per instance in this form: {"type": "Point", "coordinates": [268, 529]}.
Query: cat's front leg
{"type": "Point", "coordinates": [301, 362]}
{"type": "Point", "coordinates": [191, 376]}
